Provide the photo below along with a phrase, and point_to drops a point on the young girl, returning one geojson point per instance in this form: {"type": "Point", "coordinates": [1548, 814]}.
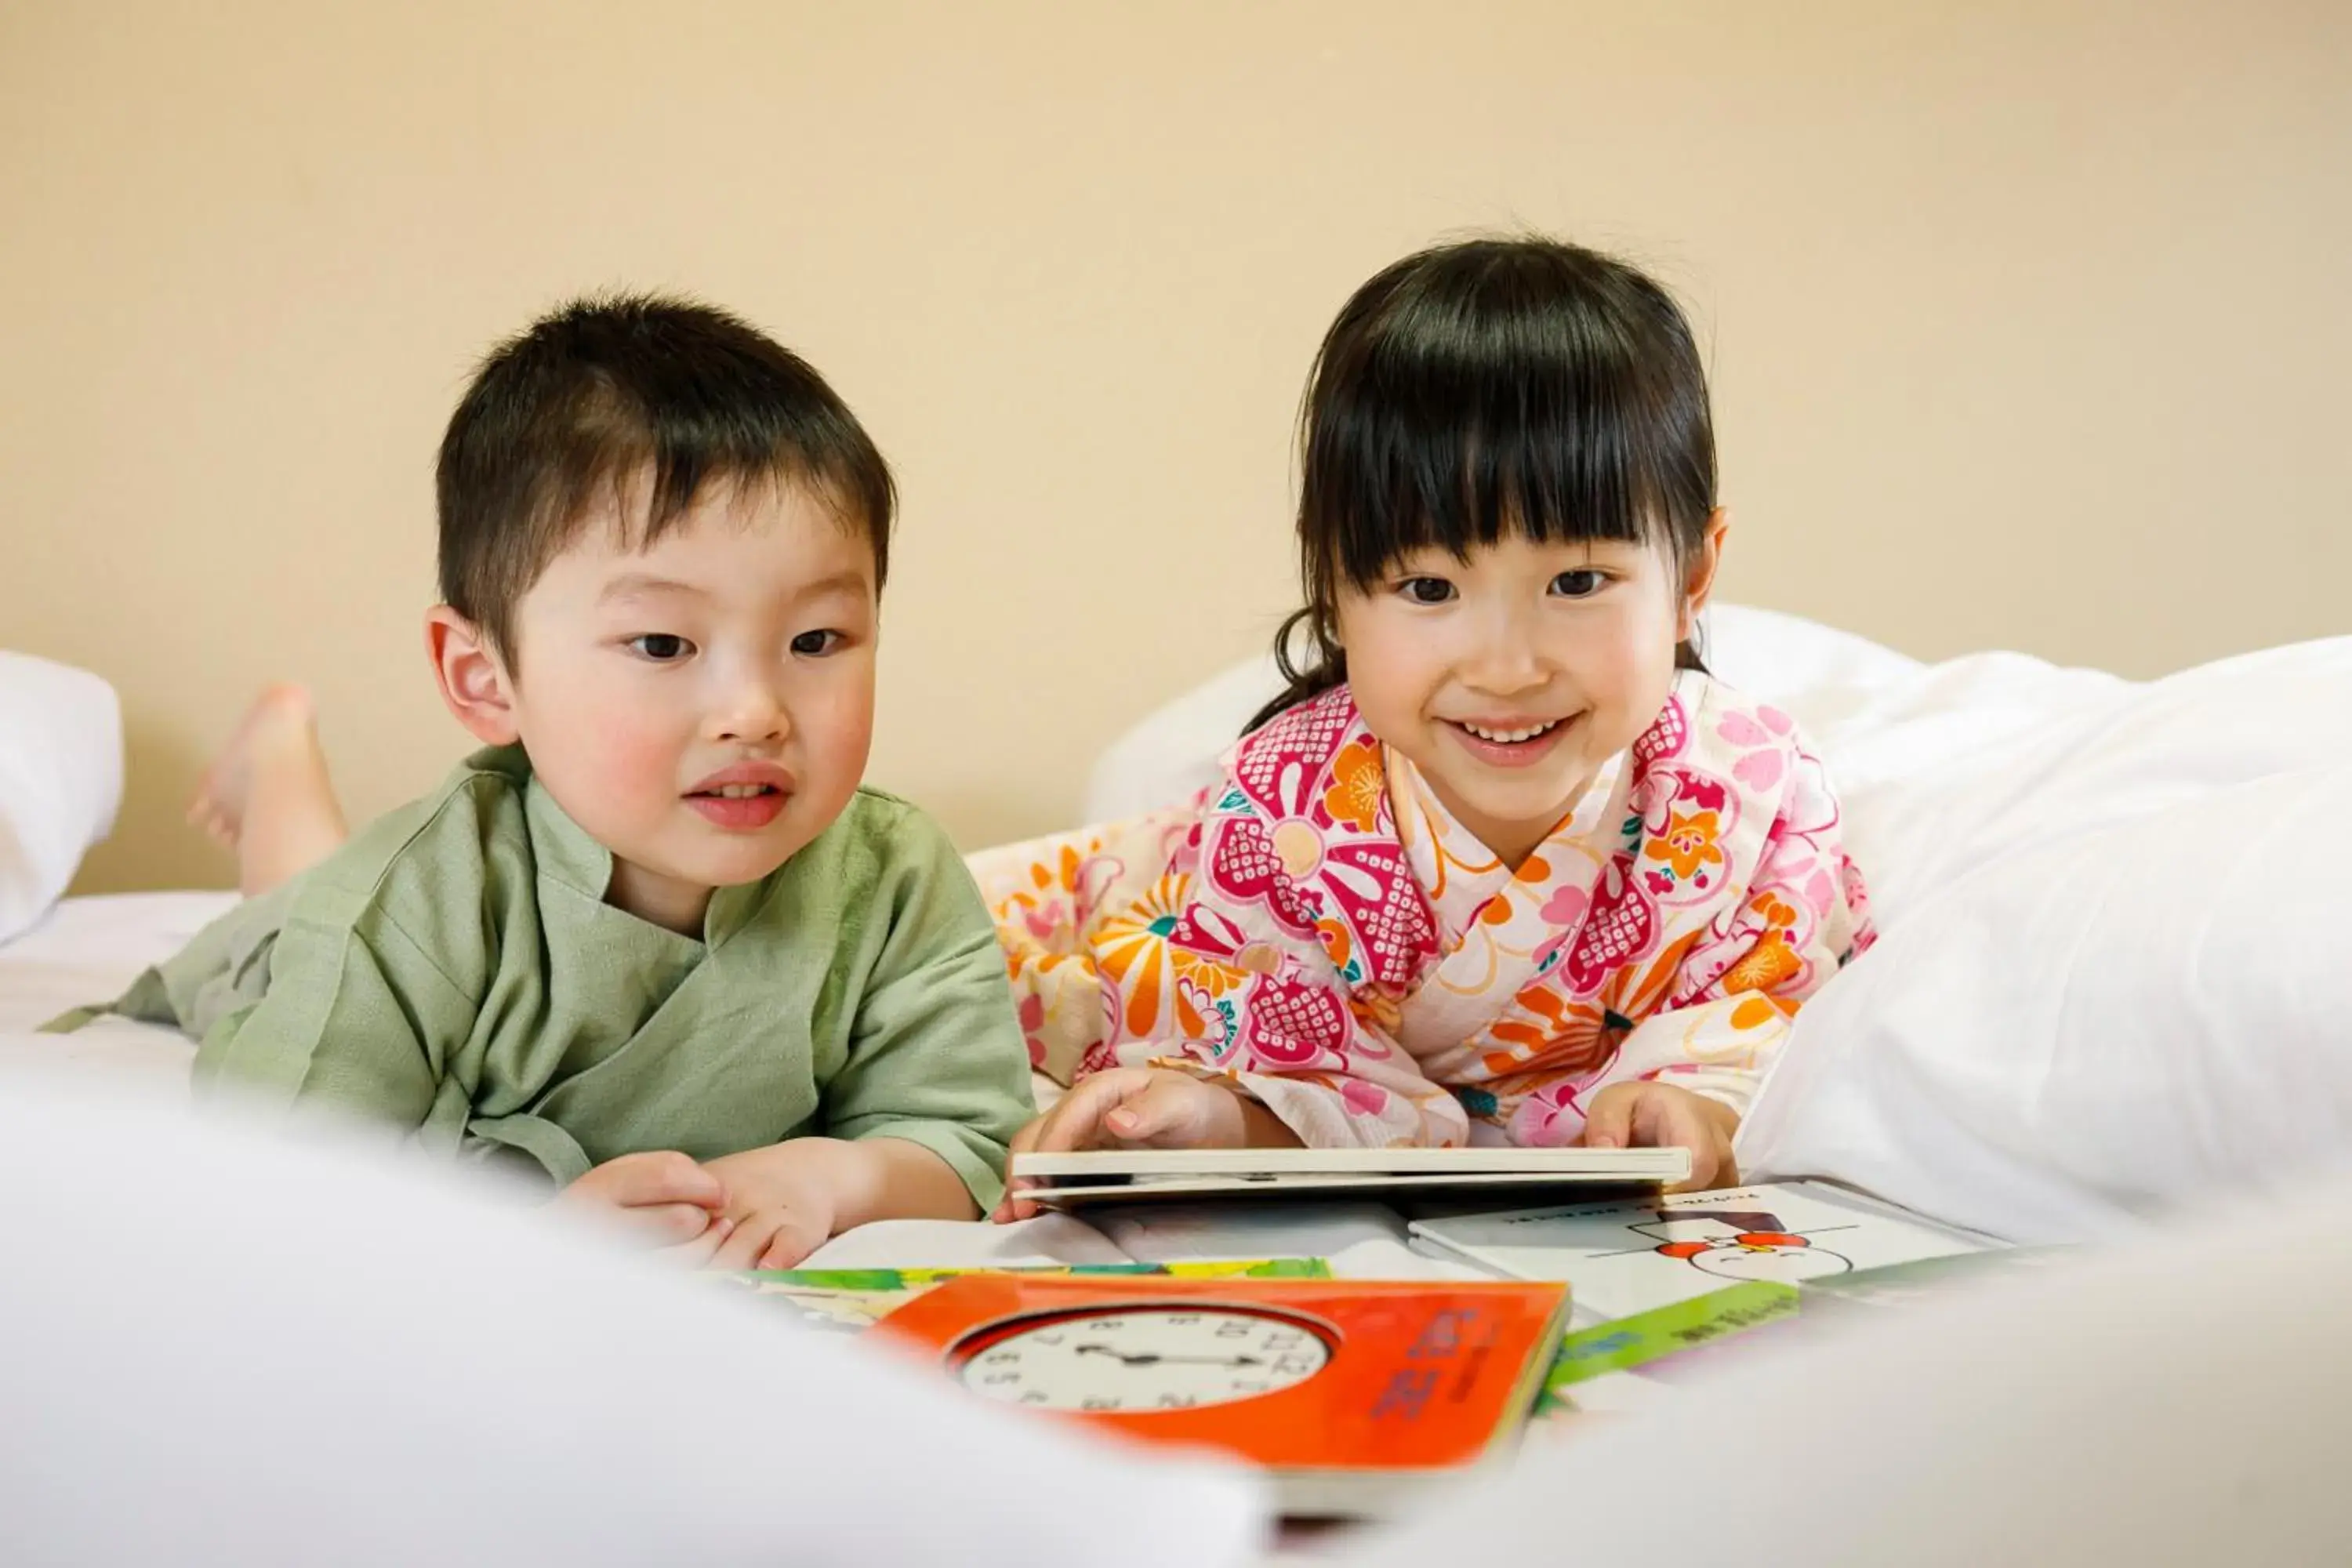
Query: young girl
{"type": "Point", "coordinates": [1504, 864]}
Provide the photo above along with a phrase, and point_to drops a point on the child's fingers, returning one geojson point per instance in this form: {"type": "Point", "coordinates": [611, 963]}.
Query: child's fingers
{"type": "Point", "coordinates": [656, 1179]}
{"type": "Point", "coordinates": [1076, 1122]}
{"type": "Point", "coordinates": [698, 1253]}
{"type": "Point", "coordinates": [1012, 1206]}
{"type": "Point", "coordinates": [1168, 1108]}
{"type": "Point", "coordinates": [1659, 1121]}
{"type": "Point", "coordinates": [789, 1247]}
{"type": "Point", "coordinates": [1046, 1135]}
{"type": "Point", "coordinates": [1609, 1120]}
{"type": "Point", "coordinates": [751, 1236]}
{"type": "Point", "coordinates": [665, 1224]}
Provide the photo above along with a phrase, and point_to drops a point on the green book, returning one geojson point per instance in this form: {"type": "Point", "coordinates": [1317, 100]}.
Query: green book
{"type": "Point", "coordinates": [855, 1299]}
{"type": "Point", "coordinates": [1688, 1338]}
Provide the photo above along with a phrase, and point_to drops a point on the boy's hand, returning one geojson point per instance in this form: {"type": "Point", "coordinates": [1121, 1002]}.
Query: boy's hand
{"type": "Point", "coordinates": [781, 1200]}
{"type": "Point", "coordinates": [661, 1196]}
{"type": "Point", "coordinates": [1659, 1116]}
{"type": "Point", "coordinates": [1145, 1108]}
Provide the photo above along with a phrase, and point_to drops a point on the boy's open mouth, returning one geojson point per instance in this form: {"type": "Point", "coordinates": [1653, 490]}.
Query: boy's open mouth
{"type": "Point", "coordinates": [743, 797]}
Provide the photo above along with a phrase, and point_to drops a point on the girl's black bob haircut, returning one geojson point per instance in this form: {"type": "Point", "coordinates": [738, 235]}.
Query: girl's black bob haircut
{"type": "Point", "coordinates": [1508, 385]}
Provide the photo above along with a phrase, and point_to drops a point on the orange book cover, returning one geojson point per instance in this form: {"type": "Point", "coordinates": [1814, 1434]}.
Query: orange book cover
{"type": "Point", "coordinates": [1342, 1389]}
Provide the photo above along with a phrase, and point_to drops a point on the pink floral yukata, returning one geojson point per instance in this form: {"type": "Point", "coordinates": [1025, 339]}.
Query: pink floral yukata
{"type": "Point", "coordinates": [1319, 929]}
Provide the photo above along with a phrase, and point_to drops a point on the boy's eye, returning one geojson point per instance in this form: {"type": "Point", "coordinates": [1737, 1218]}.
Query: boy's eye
{"type": "Point", "coordinates": [1426, 590]}
{"type": "Point", "coordinates": [815, 645]}
{"type": "Point", "coordinates": [662, 648]}
{"type": "Point", "coordinates": [1582, 583]}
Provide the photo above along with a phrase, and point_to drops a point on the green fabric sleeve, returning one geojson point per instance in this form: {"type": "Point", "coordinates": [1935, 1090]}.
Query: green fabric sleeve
{"type": "Point", "coordinates": [936, 1056]}
{"type": "Point", "coordinates": [357, 1020]}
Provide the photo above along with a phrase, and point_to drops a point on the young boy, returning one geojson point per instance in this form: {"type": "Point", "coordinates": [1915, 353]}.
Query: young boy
{"type": "Point", "coordinates": [653, 941]}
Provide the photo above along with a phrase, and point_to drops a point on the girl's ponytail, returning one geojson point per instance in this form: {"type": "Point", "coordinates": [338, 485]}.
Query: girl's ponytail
{"type": "Point", "coordinates": [1326, 666]}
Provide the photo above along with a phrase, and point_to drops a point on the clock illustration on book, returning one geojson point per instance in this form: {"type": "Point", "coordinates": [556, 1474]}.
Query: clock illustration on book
{"type": "Point", "coordinates": [1150, 1355]}
{"type": "Point", "coordinates": [1345, 1392]}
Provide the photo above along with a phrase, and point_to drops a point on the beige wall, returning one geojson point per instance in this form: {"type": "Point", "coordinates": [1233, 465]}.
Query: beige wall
{"type": "Point", "coordinates": [2029, 321]}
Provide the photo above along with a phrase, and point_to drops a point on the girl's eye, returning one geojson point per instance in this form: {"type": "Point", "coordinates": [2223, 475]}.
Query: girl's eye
{"type": "Point", "coordinates": [1426, 590]}
{"type": "Point", "coordinates": [661, 647]}
{"type": "Point", "coordinates": [1579, 585]}
{"type": "Point", "coordinates": [817, 645]}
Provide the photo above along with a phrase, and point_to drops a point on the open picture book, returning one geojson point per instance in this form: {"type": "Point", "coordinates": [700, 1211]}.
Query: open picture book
{"type": "Point", "coordinates": [1064, 1181]}
{"type": "Point", "coordinates": [1621, 1258]}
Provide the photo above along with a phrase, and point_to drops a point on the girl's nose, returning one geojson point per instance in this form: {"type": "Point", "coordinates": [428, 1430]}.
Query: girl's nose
{"type": "Point", "coordinates": [1505, 662]}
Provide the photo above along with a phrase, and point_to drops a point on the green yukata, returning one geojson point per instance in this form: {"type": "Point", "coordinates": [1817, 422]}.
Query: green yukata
{"type": "Point", "coordinates": [454, 971]}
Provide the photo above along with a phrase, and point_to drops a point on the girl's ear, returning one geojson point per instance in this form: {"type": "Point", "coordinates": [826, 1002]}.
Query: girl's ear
{"type": "Point", "coordinates": [1698, 572]}
{"type": "Point", "coordinates": [474, 680]}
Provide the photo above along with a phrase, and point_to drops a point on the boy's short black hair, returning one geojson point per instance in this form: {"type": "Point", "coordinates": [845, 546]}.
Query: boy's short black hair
{"type": "Point", "coordinates": [585, 399]}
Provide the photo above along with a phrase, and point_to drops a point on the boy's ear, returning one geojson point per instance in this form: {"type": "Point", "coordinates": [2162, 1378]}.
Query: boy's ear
{"type": "Point", "coordinates": [1698, 573]}
{"type": "Point", "coordinates": [474, 680]}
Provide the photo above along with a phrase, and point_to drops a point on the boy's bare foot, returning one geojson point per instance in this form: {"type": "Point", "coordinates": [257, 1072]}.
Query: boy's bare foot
{"type": "Point", "coordinates": [267, 794]}
{"type": "Point", "coordinates": [281, 724]}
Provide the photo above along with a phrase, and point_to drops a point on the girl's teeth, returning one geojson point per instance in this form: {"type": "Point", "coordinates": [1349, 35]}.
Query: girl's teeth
{"type": "Point", "coordinates": [1511, 737]}
{"type": "Point", "coordinates": [739, 791]}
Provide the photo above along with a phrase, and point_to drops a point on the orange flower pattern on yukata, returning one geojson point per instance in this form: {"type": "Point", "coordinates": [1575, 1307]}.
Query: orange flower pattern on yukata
{"type": "Point", "coordinates": [1358, 785]}
{"type": "Point", "coordinates": [1688, 847]}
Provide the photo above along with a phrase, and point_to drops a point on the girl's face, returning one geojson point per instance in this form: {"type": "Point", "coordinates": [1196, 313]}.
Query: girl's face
{"type": "Point", "coordinates": [1509, 679]}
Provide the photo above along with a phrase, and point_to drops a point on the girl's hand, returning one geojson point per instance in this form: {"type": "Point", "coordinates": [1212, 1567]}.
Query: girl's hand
{"type": "Point", "coordinates": [1144, 1108]}
{"type": "Point", "coordinates": [662, 1196]}
{"type": "Point", "coordinates": [1643, 1115]}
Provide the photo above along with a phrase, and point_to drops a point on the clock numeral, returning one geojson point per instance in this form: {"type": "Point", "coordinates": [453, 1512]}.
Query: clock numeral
{"type": "Point", "coordinates": [1001, 1377]}
{"type": "Point", "coordinates": [997, 1358]}
{"type": "Point", "coordinates": [1233, 1331]}
{"type": "Point", "coordinates": [1033, 1397]}
{"type": "Point", "coordinates": [1177, 1402]}
{"type": "Point", "coordinates": [1052, 1339]}
{"type": "Point", "coordinates": [1293, 1364]}
{"type": "Point", "coordinates": [1100, 1404]}
{"type": "Point", "coordinates": [1182, 1319]}
{"type": "Point", "coordinates": [1252, 1384]}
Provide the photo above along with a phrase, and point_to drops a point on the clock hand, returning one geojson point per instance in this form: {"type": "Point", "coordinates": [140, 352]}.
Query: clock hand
{"type": "Point", "coordinates": [1153, 1358]}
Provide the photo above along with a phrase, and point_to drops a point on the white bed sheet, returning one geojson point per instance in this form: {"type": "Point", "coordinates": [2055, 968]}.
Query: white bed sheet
{"type": "Point", "coordinates": [87, 950]}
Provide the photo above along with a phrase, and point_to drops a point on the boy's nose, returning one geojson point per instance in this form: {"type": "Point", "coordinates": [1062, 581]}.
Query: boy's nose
{"type": "Point", "coordinates": [755, 716]}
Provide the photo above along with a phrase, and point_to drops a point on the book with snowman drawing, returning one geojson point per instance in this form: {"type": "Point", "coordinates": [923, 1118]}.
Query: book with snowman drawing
{"type": "Point", "coordinates": [1636, 1256]}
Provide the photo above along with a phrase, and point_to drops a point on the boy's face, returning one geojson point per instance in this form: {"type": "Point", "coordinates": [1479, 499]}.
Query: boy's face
{"type": "Point", "coordinates": [703, 707]}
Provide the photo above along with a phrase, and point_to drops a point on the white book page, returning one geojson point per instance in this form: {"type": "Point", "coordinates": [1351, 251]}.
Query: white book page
{"type": "Point", "coordinates": [1174, 1233]}
{"type": "Point", "coordinates": [1627, 1257]}
{"type": "Point", "coordinates": [1047, 1239]}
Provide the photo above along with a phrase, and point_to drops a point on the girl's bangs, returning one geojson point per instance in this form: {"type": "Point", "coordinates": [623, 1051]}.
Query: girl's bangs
{"type": "Point", "coordinates": [1412, 474]}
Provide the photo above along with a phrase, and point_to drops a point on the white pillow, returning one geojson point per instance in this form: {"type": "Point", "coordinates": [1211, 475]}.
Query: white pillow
{"type": "Point", "coordinates": [238, 1351]}
{"type": "Point", "coordinates": [2111, 974]}
{"type": "Point", "coordinates": [1812, 670]}
{"type": "Point", "coordinates": [60, 780]}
